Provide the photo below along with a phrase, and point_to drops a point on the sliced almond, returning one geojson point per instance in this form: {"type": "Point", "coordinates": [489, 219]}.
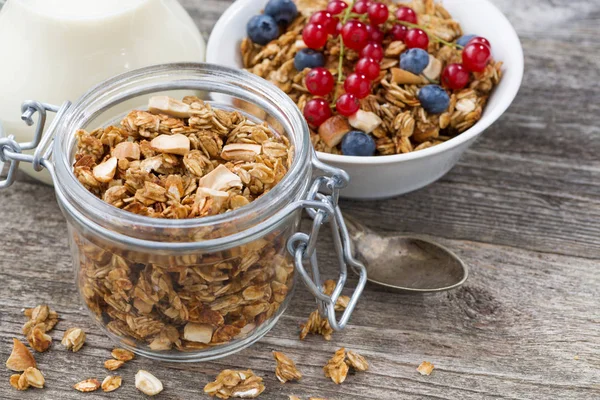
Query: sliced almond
{"type": "Point", "coordinates": [152, 163]}
{"type": "Point", "coordinates": [147, 383]}
{"type": "Point", "coordinates": [403, 77]}
{"type": "Point", "coordinates": [169, 106]}
{"type": "Point", "coordinates": [113, 365]}
{"type": "Point", "coordinates": [89, 385]}
{"type": "Point", "coordinates": [216, 197]}
{"type": "Point", "coordinates": [201, 333]}
{"type": "Point", "coordinates": [365, 121]}
{"type": "Point", "coordinates": [21, 358]}
{"type": "Point", "coordinates": [220, 178]}
{"type": "Point", "coordinates": [111, 382]}
{"type": "Point", "coordinates": [333, 130]}
{"type": "Point", "coordinates": [433, 69]}
{"type": "Point", "coordinates": [122, 354]}
{"type": "Point", "coordinates": [171, 144]}
{"type": "Point", "coordinates": [127, 151]}
{"type": "Point", "coordinates": [34, 377]}
{"type": "Point", "coordinates": [105, 172]}
{"type": "Point", "coordinates": [241, 151]}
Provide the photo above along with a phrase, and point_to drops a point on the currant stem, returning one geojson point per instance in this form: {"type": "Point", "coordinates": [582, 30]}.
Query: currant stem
{"type": "Point", "coordinates": [340, 76]}
{"type": "Point", "coordinates": [431, 35]}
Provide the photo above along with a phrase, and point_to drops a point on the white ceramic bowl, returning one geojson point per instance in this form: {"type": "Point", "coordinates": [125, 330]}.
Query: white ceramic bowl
{"type": "Point", "coordinates": [388, 176]}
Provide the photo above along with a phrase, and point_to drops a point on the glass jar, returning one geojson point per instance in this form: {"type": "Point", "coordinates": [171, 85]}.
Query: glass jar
{"type": "Point", "coordinates": [203, 288]}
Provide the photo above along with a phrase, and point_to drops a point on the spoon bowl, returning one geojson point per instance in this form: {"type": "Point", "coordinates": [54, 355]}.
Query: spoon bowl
{"type": "Point", "coordinates": [406, 263]}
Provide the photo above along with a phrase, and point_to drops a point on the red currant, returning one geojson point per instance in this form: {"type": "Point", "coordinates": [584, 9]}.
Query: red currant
{"type": "Point", "coordinates": [347, 104]}
{"type": "Point", "coordinates": [406, 14]}
{"type": "Point", "coordinates": [481, 40]}
{"type": "Point", "coordinates": [361, 6]}
{"type": "Point", "coordinates": [375, 34]}
{"type": "Point", "coordinates": [319, 81]}
{"type": "Point", "coordinates": [455, 76]}
{"type": "Point", "coordinates": [416, 39]}
{"type": "Point", "coordinates": [326, 19]}
{"type": "Point", "coordinates": [317, 111]}
{"type": "Point", "coordinates": [374, 51]}
{"type": "Point", "coordinates": [338, 29]}
{"type": "Point", "coordinates": [476, 56]}
{"type": "Point", "coordinates": [368, 67]}
{"type": "Point", "coordinates": [358, 85]}
{"type": "Point", "coordinates": [314, 35]}
{"type": "Point", "coordinates": [336, 7]}
{"type": "Point", "coordinates": [355, 34]}
{"type": "Point", "coordinates": [378, 13]}
{"type": "Point", "coordinates": [399, 32]}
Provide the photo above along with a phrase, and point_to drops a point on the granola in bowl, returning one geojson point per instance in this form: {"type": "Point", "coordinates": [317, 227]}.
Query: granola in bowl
{"type": "Point", "coordinates": [375, 78]}
{"type": "Point", "coordinates": [183, 160]}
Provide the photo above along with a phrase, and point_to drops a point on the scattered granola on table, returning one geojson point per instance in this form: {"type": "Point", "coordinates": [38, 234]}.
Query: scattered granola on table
{"type": "Point", "coordinates": [122, 354]}
{"type": "Point", "coordinates": [425, 368]}
{"type": "Point", "coordinates": [147, 383]}
{"type": "Point", "coordinates": [338, 366]}
{"type": "Point", "coordinates": [20, 358]}
{"type": "Point", "coordinates": [356, 361]}
{"type": "Point", "coordinates": [183, 159]}
{"type": "Point", "coordinates": [400, 79]}
{"type": "Point", "coordinates": [286, 369]}
{"type": "Point", "coordinates": [318, 325]}
{"type": "Point", "coordinates": [41, 320]}
{"type": "Point", "coordinates": [111, 383]}
{"type": "Point", "coordinates": [73, 339]}
{"type": "Point", "coordinates": [240, 384]}
{"type": "Point", "coordinates": [88, 385]}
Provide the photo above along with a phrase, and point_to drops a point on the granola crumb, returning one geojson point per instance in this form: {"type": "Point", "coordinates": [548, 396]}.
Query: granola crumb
{"type": "Point", "coordinates": [356, 361]}
{"type": "Point", "coordinates": [73, 339]}
{"type": "Point", "coordinates": [425, 368]}
{"type": "Point", "coordinates": [113, 365]}
{"type": "Point", "coordinates": [122, 354]}
{"type": "Point", "coordinates": [88, 385]}
{"type": "Point", "coordinates": [111, 383]}
{"type": "Point", "coordinates": [34, 377]}
{"type": "Point", "coordinates": [286, 368]}
{"type": "Point", "coordinates": [316, 325]}
{"type": "Point", "coordinates": [336, 368]}
{"type": "Point", "coordinates": [14, 382]}
{"type": "Point", "coordinates": [230, 383]}
{"type": "Point", "coordinates": [20, 358]}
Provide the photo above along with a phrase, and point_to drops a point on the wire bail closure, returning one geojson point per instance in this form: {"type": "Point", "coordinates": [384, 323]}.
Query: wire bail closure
{"type": "Point", "coordinates": [12, 152]}
{"type": "Point", "coordinates": [302, 246]}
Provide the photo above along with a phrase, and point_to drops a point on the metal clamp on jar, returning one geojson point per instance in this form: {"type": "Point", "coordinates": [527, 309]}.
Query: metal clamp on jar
{"type": "Point", "coordinates": [146, 280]}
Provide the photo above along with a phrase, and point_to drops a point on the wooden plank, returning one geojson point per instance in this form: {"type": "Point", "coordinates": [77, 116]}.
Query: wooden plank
{"type": "Point", "coordinates": [522, 208]}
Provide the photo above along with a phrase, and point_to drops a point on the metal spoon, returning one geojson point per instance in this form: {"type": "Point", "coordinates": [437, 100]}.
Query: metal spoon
{"type": "Point", "coordinates": [406, 263]}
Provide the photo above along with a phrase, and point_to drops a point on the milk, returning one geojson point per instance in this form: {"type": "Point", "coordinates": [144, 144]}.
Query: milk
{"type": "Point", "coordinates": [55, 50]}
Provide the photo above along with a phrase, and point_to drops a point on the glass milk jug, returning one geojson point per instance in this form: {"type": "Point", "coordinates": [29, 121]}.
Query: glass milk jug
{"type": "Point", "coordinates": [58, 49]}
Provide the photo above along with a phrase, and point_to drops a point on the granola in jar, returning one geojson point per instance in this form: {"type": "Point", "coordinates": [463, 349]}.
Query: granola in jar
{"type": "Point", "coordinates": [375, 79]}
{"type": "Point", "coordinates": [182, 160]}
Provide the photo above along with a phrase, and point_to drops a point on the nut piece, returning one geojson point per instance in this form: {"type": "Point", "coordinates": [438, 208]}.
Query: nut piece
{"type": "Point", "coordinates": [286, 369]}
{"type": "Point", "coordinates": [171, 144]}
{"type": "Point", "coordinates": [356, 361]}
{"type": "Point", "coordinates": [201, 333]}
{"type": "Point", "coordinates": [39, 340]}
{"type": "Point", "coordinates": [73, 339]}
{"type": "Point", "coordinates": [333, 130]}
{"type": "Point", "coordinates": [126, 151]}
{"type": "Point", "coordinates": [230, 383]}
{"type": "Point", "coordinates": [336, 368]}
{"type": "Point", "coordinates": [241, 151]}
{"type": "Point", "coordinates": [21, 358]}
{"type": "Point", "coordinates": [106, 171]}
{"type": "Point", "coordinates": [221, 178]}
{"type": "Point", "coordinates": [425, 368]}
{"type": "Point", "coordinates": [122, 354]}
{"type": "Point", "coordinates": [89, 385]}
{"type": "Point", "coordinates": [169, 106]}
{"type": "Point", "coordinates": [112, 365]}
{"type": "Point", "coordinates": [433, 69]}
{"type": "Point", "coordinates": [147, 383]}
{"type": "Point", "coordinates": [34, 377]}
{"type": "Point", "coordinates": [403, 77]}
{"type": "Point", "coordinates": [111, 382]}
{"type": "Point", "coordinates": [365, 121]}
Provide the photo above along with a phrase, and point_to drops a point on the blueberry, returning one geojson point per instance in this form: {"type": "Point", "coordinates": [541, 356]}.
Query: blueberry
{"type": "Point", "coordinates": [283, 11]}
{"type": "Point", "coordinates": [308, 58]}
{"type": "Point", "coordinates": [463, 40]}
{"type": "Point", "coordinates": [434, 99]}
{"type": "Point", "coordinates": [414, 60]}
{"type": "Point", "coordinates": [358, 143]}
{"type": "Point", "coordinates": [262, 29]}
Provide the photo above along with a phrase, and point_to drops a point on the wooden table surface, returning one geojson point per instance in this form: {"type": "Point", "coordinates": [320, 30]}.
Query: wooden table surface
{"type": "Point", "coordinates": [522, 208]}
